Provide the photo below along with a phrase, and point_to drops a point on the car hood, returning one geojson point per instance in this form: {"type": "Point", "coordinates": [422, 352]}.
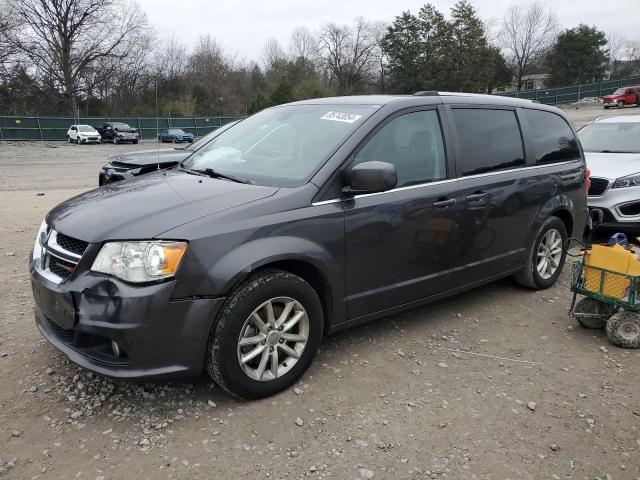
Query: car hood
{"type": "Point", "coordinates": [612, 165]}
{"type": "Point", "coordinates": [149, 205]}
{"type": "Point", "coordinates": [150, 157]}
{"type": "Point", "coordinates": [611, 96]}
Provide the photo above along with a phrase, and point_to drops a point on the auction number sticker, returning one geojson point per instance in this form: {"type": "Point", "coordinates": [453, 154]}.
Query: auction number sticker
{"type": "Point", "coordinates": [341, 117]}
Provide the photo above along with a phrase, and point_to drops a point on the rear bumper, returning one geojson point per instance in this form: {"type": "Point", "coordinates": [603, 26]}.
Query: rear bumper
{"type": "Point", "coordinates": [159, 337]}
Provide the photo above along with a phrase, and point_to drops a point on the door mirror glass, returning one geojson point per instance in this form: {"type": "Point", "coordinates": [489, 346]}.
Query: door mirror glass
{"type": "Point", "coordinates": [371, 177]}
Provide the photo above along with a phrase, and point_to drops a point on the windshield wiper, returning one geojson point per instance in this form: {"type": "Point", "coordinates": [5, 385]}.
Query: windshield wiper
{"type": "Point", "coordinates": [214, 174]}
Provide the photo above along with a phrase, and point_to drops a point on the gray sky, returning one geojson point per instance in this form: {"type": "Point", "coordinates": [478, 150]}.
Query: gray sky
{"type": "Point", "coordinates": [243, 26]}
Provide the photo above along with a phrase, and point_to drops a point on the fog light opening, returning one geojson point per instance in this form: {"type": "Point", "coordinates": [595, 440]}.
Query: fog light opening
{"type": "Point", "coordinates": [115, 348]}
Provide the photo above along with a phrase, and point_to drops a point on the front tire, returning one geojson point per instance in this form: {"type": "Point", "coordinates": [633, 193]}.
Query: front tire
{"type": "Point", "coordinates": [266, 335]}
{"type": "Point", "coordinates": [620, 104]}
{"type": "Point", "coordinates": [546, 256]}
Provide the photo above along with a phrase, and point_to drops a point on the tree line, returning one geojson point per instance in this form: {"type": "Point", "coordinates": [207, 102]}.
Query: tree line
{"type": "Point", "coordinates": [100, 57]}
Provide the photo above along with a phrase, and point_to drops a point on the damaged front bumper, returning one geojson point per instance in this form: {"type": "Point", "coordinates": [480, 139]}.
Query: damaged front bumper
{"type": "Point", "coordinates": [122, 330]}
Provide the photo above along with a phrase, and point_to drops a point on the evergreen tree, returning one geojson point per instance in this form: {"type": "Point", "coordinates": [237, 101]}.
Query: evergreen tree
{"type": "Point", "coordinates": [578, 56]}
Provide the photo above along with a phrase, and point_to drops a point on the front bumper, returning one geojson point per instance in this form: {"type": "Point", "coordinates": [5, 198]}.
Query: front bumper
{"type": "Point", "coordinates": [623, 205]}
{"type": "Point", "coordinates": [158, 336]}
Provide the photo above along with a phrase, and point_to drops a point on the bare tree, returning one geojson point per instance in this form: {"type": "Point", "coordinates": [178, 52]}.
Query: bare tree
{"type": "Point", "coordinates": [303, 44]}
{"type": "Point", "coordinates": [527, 34]}
{"type": "Point", "coordinates": [65, 38]}
{"type": "Point", "coordinates": [170, 61]}
{"type": "Point", "coordinates": [272, 52]}
{"type": "Point", "coordinates": [348, 53]}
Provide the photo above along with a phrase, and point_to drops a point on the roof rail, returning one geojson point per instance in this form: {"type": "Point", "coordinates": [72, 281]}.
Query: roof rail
{"type": "Point", "coordinates": [427, 93]}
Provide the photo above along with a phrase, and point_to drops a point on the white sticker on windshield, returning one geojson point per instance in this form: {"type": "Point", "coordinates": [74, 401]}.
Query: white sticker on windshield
{"type": "Point", "coordinates": [341, 117]}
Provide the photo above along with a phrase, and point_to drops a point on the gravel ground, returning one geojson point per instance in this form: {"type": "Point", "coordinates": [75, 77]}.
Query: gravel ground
{"type": "Point", "coordinates": [496, 383]}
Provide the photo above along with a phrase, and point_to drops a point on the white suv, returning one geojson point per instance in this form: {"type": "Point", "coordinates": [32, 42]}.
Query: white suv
{"type": "Point", "coordinates": [612, 150]}
{"type": "Point", "coordinates": [83, 134]}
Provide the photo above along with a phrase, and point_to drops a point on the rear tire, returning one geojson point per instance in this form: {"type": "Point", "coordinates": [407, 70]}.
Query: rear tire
{"type": "Point", "coordinates": [256, 347]}
{"type": "Point", "coordinates": [623, 329]}
{"type": "Point", "coordinates": [537, 274]}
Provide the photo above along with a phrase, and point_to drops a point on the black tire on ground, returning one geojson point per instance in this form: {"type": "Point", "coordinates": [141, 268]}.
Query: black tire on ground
{"type": "Point", "coordinates": [620, 104]}
{"type": "Point", "coordinates": [623, 329]}
{"type": "Point", "coordinates": [69, 138]}
{"type": "Point", "coordinates": [590, 305]}
{"type": "Point", "coordinates": [135, 142]}
{"type": "Point", "coordinates": [222, 361]}
{"type": "Point", "coordinates": [606, 107]}
{"type": "Point", "coordinates": [115, 140]}
{"type": "Point", "coordinates": [78, 140]}
{"type": "Point", "coordinates": [529, 276]}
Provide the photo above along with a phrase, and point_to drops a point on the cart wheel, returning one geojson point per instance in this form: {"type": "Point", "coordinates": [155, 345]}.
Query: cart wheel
{"type": "Point", "coordinates": [590, 306]}
{"type": "Point", "coordinates": [623, 329]}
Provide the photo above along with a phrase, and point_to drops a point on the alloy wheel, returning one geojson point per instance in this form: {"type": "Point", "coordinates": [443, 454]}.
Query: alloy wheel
{"type": "Point", "coordinates": [549, 253]}
{"type": "Point", "coordinates": [273, 338]}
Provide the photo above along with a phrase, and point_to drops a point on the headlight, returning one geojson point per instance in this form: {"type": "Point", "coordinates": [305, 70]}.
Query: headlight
{"type": "Point", "coordinates": [628, 181]}
{"type": "Point", "coordinates": [138, 261]}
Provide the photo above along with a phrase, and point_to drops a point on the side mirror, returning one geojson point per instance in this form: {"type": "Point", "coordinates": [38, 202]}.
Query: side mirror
{"type": "Point", "coordinates": [370, 177]}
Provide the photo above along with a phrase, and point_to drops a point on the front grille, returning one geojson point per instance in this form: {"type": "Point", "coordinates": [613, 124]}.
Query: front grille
{"type": "Point", "coordinates": [598, 186]}
{"type": "Point", "coordinates": [60, 267]}
{"type": "Point", "coordinates": [72, 244]}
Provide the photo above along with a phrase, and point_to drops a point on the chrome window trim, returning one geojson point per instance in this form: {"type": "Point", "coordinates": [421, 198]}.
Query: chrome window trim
{"type": "Point", "coordinates": [449, 180]}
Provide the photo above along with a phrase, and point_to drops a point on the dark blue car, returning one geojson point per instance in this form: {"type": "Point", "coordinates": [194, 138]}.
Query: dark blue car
{"type": "Point", "coordinates": [175, 135]}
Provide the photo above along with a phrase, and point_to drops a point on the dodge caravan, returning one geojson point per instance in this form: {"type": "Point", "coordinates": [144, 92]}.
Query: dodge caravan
{"type": "Point", "coordinates": [301, 220]}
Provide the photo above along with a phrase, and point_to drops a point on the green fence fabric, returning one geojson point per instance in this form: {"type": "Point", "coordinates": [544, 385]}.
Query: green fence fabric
{"type": "Point", "coordinates": [55, 128]}
{"type": "Point", "coordinates": [553, 96]}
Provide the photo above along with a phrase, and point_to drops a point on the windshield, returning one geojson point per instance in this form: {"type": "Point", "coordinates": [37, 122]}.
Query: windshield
{"type": "Point", "coordinates": [208, 137]}
{"type": "Point", "coordinates": [281, 146]}
{"type": "Point", "coordinates": [86, 128]}
{"type": "Point", "coordinates": [623, 137]}
{"type": "Point", "coordinates": [176, 131]}
{"type": "Point", "coordinates": [619, 91]}
{"type": "Point", "coordinates": [120, 125]}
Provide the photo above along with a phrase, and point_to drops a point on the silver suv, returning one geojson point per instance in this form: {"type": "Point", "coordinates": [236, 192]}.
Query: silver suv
{"type": "Point", "coordinates": [612, 151]}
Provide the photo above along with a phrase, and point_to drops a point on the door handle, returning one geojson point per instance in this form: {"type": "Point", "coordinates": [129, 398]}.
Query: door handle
{"type": "Point", "coordinates": [445, 202]}
{"type": "Point", "coordinates": [475, 196]}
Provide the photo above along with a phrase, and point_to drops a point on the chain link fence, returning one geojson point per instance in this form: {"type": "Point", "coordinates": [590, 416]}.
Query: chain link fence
{"type": "Point", "coordinates": [573, 93]}
{"type": "Point", "coordinates": [55, 128]}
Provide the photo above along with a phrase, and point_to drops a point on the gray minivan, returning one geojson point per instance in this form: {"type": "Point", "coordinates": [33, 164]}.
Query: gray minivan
{"type": "Point", "coordinates": [301, 220]}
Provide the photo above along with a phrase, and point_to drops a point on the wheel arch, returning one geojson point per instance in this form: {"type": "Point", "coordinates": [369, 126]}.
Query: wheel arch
{"type": "Point", "coordinates": [302, 257]}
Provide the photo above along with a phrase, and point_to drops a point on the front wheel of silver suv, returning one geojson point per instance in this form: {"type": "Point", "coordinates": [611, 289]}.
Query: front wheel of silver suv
{"type": "Point", "coordinates": [266, 335]}
{"type": "Point", "coordinates": [545, 257]}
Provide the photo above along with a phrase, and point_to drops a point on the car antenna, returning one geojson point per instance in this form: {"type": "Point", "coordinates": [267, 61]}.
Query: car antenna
{"type": "Point", "coordinates": [157, 129]}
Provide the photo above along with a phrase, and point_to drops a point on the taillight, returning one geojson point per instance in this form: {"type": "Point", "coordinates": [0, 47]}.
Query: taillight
{"type": "Point", "coordinates": [587, 180]}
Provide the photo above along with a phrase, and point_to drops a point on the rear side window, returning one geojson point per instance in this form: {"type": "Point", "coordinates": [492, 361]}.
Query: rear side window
{"type": "Point", "coordinates": [489, 140]}
{"type": "Point", "coordinates": [552, 139]}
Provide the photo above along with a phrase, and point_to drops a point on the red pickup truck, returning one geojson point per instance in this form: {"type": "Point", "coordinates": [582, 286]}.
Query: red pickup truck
{"type": "Point", "coordinates": [623, 96]}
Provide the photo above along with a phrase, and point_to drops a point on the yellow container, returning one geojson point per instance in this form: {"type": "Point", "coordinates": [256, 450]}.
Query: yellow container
{"type": "Point", "coordinates": [616, 259]}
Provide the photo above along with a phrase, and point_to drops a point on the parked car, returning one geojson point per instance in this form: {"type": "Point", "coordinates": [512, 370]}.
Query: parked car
{"type": "Point", "coordinates": [612, 150]}
{"type": "Point", "coordinates": [302, 220]}
{"type": "Point", "coordinates": [118, 132]}
{"type": "Point", "coordinates": [175, 135]}
{"type": "Point", "coordinates": [132, 164]}
{"type": "Point", "coordinates": [83, 134]}
{"type": "Point", "coordinates": [623, 96]}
